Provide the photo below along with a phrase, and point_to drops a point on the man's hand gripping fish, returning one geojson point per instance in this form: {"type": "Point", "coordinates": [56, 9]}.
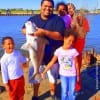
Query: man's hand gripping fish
{"type": "Point", "coordinates": [36, 46]}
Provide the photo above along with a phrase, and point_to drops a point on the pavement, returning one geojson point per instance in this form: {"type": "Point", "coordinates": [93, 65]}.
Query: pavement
{"type": "Point", "coordinates": [90, 78]}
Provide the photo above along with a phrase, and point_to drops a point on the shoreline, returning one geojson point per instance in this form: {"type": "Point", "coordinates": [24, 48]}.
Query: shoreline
{"type": "Point", "coordinates": [31, 14]}
{"type": "Point", "coordinates": [17, 14]}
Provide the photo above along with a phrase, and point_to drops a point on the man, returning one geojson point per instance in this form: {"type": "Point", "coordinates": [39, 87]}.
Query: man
{"type": "Point", "coordinates": [52, 28]}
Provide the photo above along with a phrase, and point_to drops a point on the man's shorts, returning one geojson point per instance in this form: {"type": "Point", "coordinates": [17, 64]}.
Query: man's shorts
{"type": "Point", "coordinates": [54, 73]}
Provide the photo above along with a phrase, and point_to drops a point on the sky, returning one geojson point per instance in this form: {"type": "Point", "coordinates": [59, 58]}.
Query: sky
{"type": "Point", "coordinates": [35, 4]}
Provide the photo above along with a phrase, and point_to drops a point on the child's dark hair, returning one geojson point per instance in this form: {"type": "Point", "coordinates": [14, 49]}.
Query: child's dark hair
{"type": "Point", "coordinates": [69, 32]}
{"type": "Point", "coordinates": [5, 38]}
{"type": "Point", "coordinates": [61, 3]}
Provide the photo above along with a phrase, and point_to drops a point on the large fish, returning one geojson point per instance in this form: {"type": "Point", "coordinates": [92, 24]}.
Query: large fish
{"type": "Point", "coordinates": [35, 45]}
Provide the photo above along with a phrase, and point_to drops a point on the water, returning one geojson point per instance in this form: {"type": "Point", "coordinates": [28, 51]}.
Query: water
{"type": "Point", "coordinates": [93, 37]}
{"type": "Point", "coordinates": [11, 26]}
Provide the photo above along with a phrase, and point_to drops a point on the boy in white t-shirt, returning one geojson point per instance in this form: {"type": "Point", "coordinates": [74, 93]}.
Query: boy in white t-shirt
{"type": "Point", "coordinates": [68, 70]}
{"type": "Point", "coordinates": [12, 62]}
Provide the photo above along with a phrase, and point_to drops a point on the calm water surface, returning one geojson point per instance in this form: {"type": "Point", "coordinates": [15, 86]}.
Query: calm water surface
{"type": "Point", "coordinates": [11, 26]}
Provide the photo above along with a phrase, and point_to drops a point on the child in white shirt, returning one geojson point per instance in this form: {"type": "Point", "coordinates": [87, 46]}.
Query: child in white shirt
{"type": "Point", "coordinates": [11, 68]}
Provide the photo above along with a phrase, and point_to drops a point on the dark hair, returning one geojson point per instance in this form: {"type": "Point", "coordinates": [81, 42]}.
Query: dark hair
{"type": "Point", "coordinates": [69, 32]}
{"type": "Point", "coordinates": [7, 37]}
{"type": "Point", "coordinates": [49, 1]}
{"type": "Point", "coordinates": [71, 5]}
{"type": "Point", "coordinates": [59, 4]}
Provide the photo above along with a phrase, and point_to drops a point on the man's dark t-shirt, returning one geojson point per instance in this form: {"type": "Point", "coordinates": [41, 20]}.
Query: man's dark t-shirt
{"type": "Point", "coordinates": [54, 23]}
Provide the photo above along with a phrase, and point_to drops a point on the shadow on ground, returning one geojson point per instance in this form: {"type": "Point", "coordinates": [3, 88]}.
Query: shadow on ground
{"type": "Point", "coordinates": [2, 89]}
{"type": "Point", "coordinates": [47, 94]}
{"type": "Point", "coordinates": [90, 78]}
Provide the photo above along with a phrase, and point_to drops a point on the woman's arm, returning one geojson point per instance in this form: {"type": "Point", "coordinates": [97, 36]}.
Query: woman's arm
{"type": "Point", "coordinates": [77, 69]}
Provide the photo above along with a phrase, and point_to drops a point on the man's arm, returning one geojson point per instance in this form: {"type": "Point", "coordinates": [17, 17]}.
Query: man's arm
{"type": "Point", "coordinates": [42, 32]}
{"type": "Point", "coordinates": [51, 34]}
